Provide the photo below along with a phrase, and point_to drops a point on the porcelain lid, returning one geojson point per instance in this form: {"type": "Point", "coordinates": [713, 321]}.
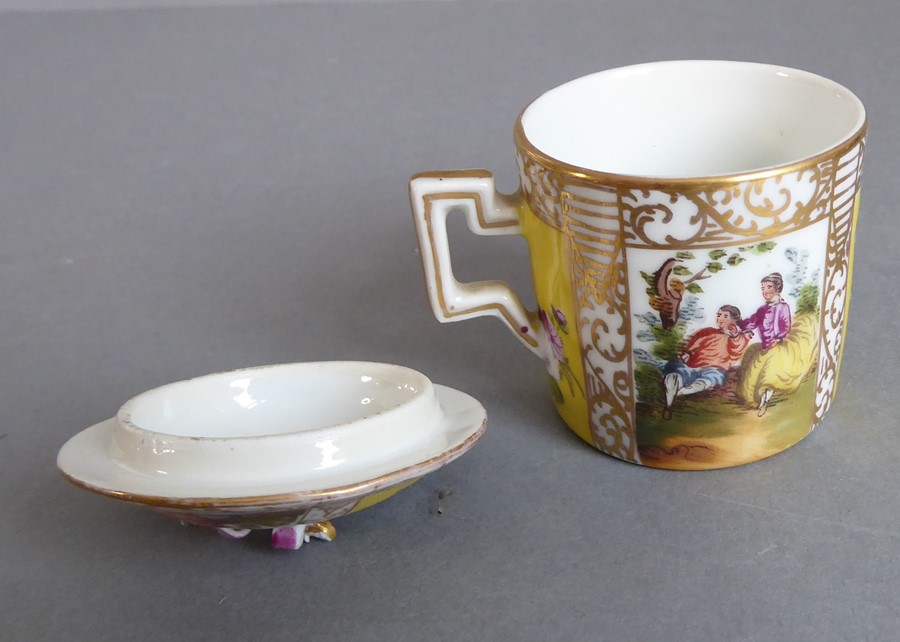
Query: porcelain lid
{"type": "Point", "coordinates": [292, 428]}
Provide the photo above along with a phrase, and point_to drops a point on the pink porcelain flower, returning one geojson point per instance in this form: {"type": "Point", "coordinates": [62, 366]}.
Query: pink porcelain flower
{"type": "Point", "coordinates": [556, 343]}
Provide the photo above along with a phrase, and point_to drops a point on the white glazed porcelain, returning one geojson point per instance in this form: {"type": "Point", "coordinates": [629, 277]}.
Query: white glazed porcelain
{"type": "Point", "coordinates": [690, 227]}
{"type": "Point", "coordinates": [285, 445]}
{"type": "Point", "coordinates": [690, 118]}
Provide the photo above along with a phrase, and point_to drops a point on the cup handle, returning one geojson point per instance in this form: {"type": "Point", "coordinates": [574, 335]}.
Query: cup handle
{"type": "Point", "coordinates": [433, 195]}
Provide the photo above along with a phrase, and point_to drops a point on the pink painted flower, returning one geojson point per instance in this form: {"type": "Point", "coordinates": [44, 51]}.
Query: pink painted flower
{"type": "Point", "coordinates": [560, 318]}
{"type": "Point", "coordinates": [556, 343]}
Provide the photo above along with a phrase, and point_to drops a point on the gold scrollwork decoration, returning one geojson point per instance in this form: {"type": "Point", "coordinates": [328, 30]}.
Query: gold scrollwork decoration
{"type": "Point", "coordinates": [844, 206]}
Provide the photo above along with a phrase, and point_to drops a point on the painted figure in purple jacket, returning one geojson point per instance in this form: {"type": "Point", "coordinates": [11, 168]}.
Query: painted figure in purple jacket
{"type": "Point", "coordinates": [773, 319]}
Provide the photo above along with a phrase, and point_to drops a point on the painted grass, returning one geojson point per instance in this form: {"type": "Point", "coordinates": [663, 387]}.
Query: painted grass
{"type": "Point", "coordinates": [711, 430]}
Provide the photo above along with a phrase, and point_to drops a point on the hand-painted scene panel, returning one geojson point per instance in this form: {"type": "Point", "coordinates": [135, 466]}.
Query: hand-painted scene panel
{"type": "Point", "coordinates": [725, 348]}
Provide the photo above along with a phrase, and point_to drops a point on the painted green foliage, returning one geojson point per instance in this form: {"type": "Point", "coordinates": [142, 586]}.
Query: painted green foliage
{"type": "Point", "coordinates": [666, 286]}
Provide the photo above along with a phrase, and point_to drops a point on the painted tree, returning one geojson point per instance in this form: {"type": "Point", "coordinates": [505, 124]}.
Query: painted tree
{"type": "Point", "coordinates": [804, 285]}
{"type": "Point", "coordinates": [666, 286]}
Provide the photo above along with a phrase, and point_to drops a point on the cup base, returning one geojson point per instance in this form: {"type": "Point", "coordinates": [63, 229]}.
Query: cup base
{"type": "Point", "coordinates": [674, 441]}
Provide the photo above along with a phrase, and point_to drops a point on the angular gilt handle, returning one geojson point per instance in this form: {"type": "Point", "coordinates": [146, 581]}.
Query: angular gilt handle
{"type": "Point", "coordinates": [433, 195]}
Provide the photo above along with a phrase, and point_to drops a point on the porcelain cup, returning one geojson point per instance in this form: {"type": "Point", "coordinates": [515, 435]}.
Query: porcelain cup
{"type": "Point", "coordinates": [691, 228]}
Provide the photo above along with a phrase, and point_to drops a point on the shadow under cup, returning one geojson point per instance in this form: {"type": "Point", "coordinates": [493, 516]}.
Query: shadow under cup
{"type": "Point", "coordinates": [691, 234]}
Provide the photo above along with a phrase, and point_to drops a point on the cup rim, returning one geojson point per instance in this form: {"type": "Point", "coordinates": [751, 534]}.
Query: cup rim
{"type": "Point", "coordinates": [544, 159]}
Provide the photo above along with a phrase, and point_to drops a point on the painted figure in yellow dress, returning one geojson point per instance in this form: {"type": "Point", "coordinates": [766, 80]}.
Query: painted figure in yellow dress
{"type": "Point", "coordinates": [786, 349]}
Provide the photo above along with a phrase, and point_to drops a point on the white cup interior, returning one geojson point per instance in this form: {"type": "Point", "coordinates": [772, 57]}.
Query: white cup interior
{"type": "Point", "coordinates": [685, 119]}
{"type": "Point", "coordinates": [273, 400]}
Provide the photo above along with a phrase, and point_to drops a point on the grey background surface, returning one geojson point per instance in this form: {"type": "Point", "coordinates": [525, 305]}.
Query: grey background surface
{"type": "Point", "coordinates": [191, 190]}
{"type": "Point", "coordinates": [90, 5]}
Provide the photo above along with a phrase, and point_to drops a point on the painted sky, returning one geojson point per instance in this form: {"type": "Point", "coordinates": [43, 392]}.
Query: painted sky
{"type": "Point", "coordinates": [735, 285]}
